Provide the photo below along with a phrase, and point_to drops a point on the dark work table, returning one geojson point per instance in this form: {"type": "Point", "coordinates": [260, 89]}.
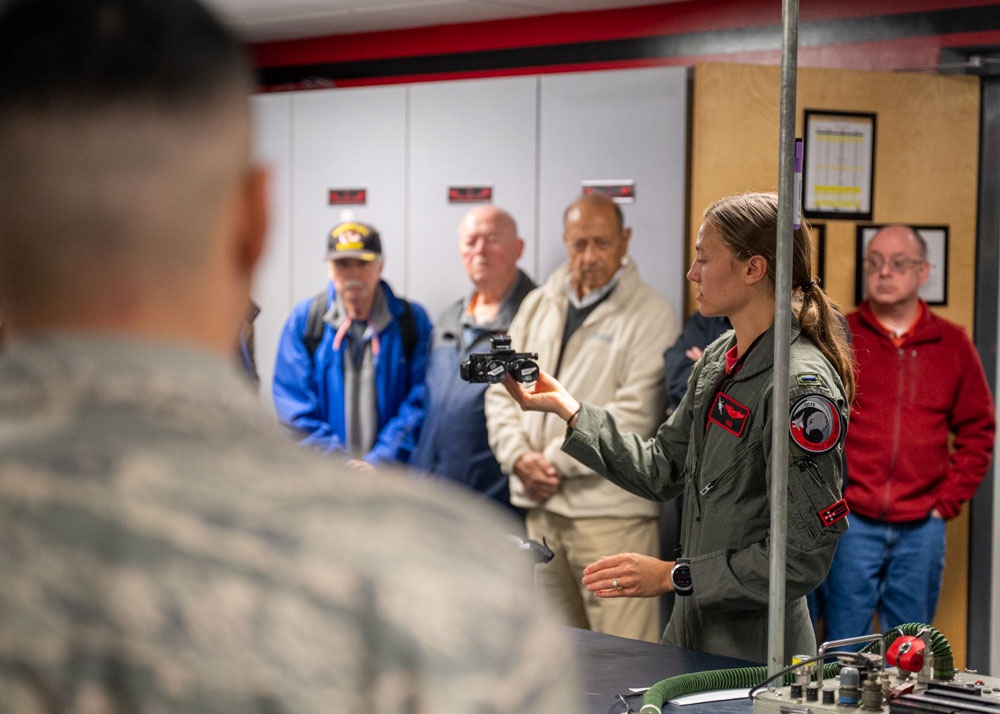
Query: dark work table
{"type": "Point", "coordinates": [611, 665]}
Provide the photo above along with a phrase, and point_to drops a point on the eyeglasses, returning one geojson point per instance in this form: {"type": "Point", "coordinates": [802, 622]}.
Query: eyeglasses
{"type": "Point", "coordinates": [896, 264]}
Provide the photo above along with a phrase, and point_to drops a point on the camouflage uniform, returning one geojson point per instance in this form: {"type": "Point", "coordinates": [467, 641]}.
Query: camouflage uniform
{"type": "Point", "coordinates": [165, 550]}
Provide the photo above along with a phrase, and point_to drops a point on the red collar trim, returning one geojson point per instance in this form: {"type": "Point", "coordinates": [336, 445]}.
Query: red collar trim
{"type": "Point", "coordinates": [731, 359]}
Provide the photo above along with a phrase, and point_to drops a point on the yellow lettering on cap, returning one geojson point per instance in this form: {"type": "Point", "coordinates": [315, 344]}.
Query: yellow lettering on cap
{"type": "Point", "coordinates": [356, 228]}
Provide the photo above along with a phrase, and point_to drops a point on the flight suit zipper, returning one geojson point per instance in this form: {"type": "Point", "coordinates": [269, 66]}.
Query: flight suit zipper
{"type": "Point", "coordinates": [710, 486]}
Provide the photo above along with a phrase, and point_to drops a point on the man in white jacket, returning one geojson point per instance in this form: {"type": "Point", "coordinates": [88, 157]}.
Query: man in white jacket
{"type": "Point", "coordinates": [602, 331]}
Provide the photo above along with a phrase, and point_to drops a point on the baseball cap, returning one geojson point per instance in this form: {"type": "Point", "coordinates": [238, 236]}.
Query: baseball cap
{"type": "Point", "coordinates": [353, 240]}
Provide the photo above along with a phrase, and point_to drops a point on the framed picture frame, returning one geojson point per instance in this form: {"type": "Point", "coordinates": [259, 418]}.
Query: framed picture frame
{"type": "Point", "coordinates": [935, 290]}
{"type": "Point", "coordinates": [838, 170]}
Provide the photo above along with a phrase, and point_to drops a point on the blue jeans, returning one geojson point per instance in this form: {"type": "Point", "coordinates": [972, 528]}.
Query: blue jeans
{"type": "Point", "coordinates": [890, 568]}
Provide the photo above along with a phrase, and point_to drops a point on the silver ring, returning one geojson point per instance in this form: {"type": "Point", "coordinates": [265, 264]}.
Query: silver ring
{"type": "Point", "coordinates": [614, 583]}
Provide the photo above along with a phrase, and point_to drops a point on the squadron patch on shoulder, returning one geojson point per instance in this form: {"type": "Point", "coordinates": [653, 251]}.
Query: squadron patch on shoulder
{"type": "Point", "coordinates": [814, 423]}
{"type": "Point", "coordinates": [729, 414]}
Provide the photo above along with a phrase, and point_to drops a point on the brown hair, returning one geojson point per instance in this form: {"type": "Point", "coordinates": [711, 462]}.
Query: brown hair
{"type": "Point", "coordinates": [748, 225]}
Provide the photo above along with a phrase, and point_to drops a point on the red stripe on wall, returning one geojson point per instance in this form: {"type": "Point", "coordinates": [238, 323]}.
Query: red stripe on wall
{"type": "Point", "coordinates": [970, 39]}
{"type": "Point", "coordinates": [816, 10]}
{"type": "Point", "coordinates": [546, 69]}
{"type": "Point", "coordinates": [874, 56]}
{"type": "Point", "coordinates": [671, 18]}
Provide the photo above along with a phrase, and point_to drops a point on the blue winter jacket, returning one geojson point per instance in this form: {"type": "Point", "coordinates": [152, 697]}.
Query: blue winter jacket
{"type": "Point", "coordinates": [308, 391]}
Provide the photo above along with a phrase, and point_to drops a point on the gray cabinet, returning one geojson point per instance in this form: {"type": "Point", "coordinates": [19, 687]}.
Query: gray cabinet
{"type": "Point", "coordinates": [475, 133]}
{"type": "Point", "coordinates": [533, 140]}
{"type": "Point", "coordinates": [346, 139]}
{"type": "Point", "coordinates": [618, 126]}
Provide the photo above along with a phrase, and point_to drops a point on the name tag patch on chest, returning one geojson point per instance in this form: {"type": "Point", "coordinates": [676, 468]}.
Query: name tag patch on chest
{"type": "Point", "coordinates": [729, 414]}
{"type": "Point", "coordinates": [814, 423]}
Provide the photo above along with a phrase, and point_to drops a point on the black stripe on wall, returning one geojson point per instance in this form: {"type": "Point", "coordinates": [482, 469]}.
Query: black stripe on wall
{"type": "Point", "coordinates": [867, 29]}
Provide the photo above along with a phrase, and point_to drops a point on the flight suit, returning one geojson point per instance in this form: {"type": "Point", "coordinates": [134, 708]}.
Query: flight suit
{"type": "Point", "coordinates": [716, 450]}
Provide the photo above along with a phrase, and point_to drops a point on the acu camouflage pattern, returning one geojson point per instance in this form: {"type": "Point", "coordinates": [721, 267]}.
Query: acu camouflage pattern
{"type": "Point", "coordinates": [164, 549]}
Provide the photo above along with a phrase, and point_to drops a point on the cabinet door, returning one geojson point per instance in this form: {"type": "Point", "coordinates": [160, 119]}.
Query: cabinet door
{"type": "Point", "coordinates": [620, 125]}
{"type": "Point", "coordinates": [466, 134]}
{"type": "Point", "coordinates": [346, 139]}
{"type": "Point", "coordinates": [272, 285]}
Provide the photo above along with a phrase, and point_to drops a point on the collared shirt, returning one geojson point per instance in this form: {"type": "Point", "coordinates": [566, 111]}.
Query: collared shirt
{"type": "Point", "coordinates": [595, 295]}
{"type": "Point", "coordinates": [360, 387]}
{"type": "Point", "coordinates": [898, 338]}
{"type": "Point", "coordinates": [579, 308]}
{"type": "Point", "coordinates": [472, 331]}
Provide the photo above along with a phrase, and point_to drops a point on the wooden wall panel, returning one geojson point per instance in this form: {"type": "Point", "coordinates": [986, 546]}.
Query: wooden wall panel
{"type": "Point", "coordinates": [926, 172]}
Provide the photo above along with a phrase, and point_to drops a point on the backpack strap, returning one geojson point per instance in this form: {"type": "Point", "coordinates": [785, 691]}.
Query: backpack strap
{"type": "Point", "coordinates": [314, 323]}
{"type": "Point", "coordinates": [408, 329]}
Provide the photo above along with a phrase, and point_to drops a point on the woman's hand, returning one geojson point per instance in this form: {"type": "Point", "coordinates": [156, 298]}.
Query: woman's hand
{"type": "Point", "coordinates": [546, 395]}
{"type": "Point", "coordinates": [628, 575]}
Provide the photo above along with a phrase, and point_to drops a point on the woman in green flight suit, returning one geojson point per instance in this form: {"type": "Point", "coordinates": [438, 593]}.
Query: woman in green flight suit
{"type": "Point", "coordinates": [716, 447]}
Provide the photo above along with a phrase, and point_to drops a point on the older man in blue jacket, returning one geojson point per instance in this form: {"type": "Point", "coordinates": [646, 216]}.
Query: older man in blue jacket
{"type": "Point", "coordinates": [351, 363]}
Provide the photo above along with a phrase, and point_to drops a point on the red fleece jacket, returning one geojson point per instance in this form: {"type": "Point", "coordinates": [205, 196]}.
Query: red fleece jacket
{"type": "Point", "coordinates": [909, 399]}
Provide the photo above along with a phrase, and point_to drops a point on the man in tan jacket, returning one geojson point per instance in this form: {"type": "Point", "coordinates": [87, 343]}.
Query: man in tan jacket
{"type": "Point", "coordinates": [602, 331]}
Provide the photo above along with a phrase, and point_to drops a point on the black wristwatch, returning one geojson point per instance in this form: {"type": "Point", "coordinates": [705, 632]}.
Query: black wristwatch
{"type": "Point", "coordinates": [680, 577]}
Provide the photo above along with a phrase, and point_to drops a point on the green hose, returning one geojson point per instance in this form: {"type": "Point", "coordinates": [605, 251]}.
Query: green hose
{"type": "Point", "coordinates": [673, 687]}
{"type": "Point", "coordinates": [681, 685]}
{"type": "Point", "coordinates": [944, 662]}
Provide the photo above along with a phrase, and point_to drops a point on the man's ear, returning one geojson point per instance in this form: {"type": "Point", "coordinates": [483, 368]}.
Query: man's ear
{"type": "Point", "coordinates": [252, 224]}
{"type": "Point", "coordinates": [923, 272]}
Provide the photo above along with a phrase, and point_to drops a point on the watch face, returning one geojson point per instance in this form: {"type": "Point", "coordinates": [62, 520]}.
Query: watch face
{"type": "Point", "coordinates": [680, 576]}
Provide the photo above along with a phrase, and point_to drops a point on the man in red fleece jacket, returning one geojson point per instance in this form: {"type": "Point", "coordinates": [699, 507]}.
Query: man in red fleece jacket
{"type": "Point", "coordinates": [920, 380]}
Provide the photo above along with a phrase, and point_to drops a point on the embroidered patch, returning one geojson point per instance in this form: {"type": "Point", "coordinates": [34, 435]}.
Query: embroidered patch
{"type": "Point", "coordinates": [809, 380]}
{"type": "Point", "coordinates": [834, 512]}
{"type": "Point", "coordinates": [814, 423]}
{"type": "Point", "coordinates": [729, 414]}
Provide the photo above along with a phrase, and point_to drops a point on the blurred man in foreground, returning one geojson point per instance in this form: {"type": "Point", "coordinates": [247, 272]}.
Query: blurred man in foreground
{"type": "Point", "coordinates": [164, 548]}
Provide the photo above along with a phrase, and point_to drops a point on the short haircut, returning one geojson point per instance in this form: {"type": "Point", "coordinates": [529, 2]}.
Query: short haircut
{"type": "Point", "coordinates": [598, 199]}
{"type": "Point", "coordinates": [915, 234]}
{"type": "Point", "coordinates": [89, 52]}
{"type": "Point", "coordinates": [123, 126]}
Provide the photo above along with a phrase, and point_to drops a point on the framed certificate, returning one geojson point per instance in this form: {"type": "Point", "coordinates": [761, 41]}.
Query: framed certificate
{"type": "Point", "coordinates": [838, 172]}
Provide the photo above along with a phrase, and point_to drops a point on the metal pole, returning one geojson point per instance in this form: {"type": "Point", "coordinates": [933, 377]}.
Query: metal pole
{"type": "Point", "coordinates": [776, 656]}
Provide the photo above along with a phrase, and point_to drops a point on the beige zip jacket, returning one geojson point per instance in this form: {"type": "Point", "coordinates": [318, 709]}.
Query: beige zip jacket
{"type": "Point", "coordinates": [615, 359]}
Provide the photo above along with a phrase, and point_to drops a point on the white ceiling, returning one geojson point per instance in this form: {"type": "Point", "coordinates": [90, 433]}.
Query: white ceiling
{"type": "Point", "coordinates": [266, 20]}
